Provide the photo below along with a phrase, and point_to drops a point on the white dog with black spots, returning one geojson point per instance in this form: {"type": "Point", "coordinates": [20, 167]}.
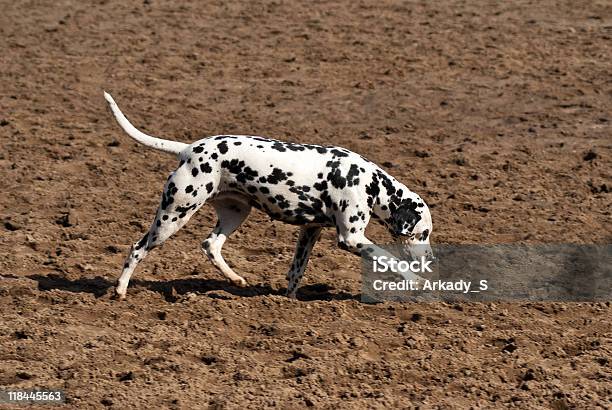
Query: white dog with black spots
{"type": "Point", "coordinates": [301, 184]}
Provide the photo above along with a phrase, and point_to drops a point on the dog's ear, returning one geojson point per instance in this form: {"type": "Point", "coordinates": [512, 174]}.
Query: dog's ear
{"type": "Point", "coordinates": [404, 219]}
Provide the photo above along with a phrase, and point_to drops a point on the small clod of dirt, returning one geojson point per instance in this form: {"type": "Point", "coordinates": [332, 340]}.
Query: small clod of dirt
{"type": "Point", "coordinates": [589, 155]}
{"type": "Point", "coordinates": [126, 376]}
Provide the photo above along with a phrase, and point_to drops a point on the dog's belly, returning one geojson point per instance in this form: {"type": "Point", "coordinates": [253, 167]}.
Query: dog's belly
{"type": "Point", "coordinates": [281, 204]}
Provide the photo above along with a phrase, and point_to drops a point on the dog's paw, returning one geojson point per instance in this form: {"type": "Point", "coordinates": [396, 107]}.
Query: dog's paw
{"type": "Point", "coordinates": [241, 283]}
{"type": "Point", "coordinates": [118, 296]}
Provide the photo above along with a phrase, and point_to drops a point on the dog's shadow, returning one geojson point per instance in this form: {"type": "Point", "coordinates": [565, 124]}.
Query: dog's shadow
{"type": "Point", "coordinates": [172, 290]}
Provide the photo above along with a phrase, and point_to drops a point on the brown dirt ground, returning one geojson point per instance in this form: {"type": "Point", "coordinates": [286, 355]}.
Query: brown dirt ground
{"type": "Point", "coordinates": [498, 113]}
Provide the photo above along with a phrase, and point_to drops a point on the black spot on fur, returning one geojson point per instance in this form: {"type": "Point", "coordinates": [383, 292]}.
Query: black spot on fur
{"type": "Point", "coordinates": [205, 168]}
{"type": "Point", "coordinates": [276, 176]}
{"type": "Point", "coordinates": [189, 188]}
{"type": "Point", "coordinates": [339, 153]}
{"type": "Point", "coordinates": [326, 199]}
{"type": "Point", "coordinates": [320, 186]}
{"type": "Point", "coordinates": [425, 234]}
{"type": "Point", "coordinates": [351, 177]}
{"type": "Point", "coordinates": [167, 196]}
{"type": "Point", "coordinates": [143, 241]}
{"type": "Point", "coordinates": [247, 174]}
{"type": "Point", "coordinates": [387, 183]}
{"type": "Point", "coordinates": [282, 202]}
{"type": "Point", "coordinates": [222, 146]}
{"type": "Point", "coordinates": [234, 166]}
{"type": "Point", "coordinates": [336, 179]}
{"type": "Point", "coordinates": [373, 190]}
{"type": "Point", "coordinates": [278, 146]}
{"type": "Point", "coordinates": [294, 147]}
{"type": "Point", "coordinates": [198, 149]}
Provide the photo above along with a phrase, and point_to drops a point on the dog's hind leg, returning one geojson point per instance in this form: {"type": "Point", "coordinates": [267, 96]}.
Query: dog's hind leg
{"type": "Point", "coordinates": [156, 236]}
{"type": "Point", "coordinates": [178, 204]}
{"type": "Point", "coordinates": [231, 214]}
{"type": "Point", "coordinates": [309, 235]}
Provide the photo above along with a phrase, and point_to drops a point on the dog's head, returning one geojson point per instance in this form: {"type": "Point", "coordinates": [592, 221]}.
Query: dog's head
{"type": "Point", "coordinates": [410, 223]}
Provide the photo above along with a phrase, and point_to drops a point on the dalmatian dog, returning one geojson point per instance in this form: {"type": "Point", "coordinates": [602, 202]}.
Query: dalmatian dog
{"type": "Point", "coordinates": [301, 184]}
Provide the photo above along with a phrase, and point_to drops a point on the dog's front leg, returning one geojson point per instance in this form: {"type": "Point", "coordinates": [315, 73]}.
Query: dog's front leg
{"type": "Point", "coordinates": [358, 244]}
{"type": "Point", "coordinates": [309, 235]}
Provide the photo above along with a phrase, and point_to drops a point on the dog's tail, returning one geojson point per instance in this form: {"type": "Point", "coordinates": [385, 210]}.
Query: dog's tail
{"type": "Point", "coordinates": [173, 147]}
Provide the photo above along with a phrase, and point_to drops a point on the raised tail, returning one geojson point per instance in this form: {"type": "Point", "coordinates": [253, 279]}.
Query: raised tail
{"type": "Point", "coordinates": [173, 147]}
